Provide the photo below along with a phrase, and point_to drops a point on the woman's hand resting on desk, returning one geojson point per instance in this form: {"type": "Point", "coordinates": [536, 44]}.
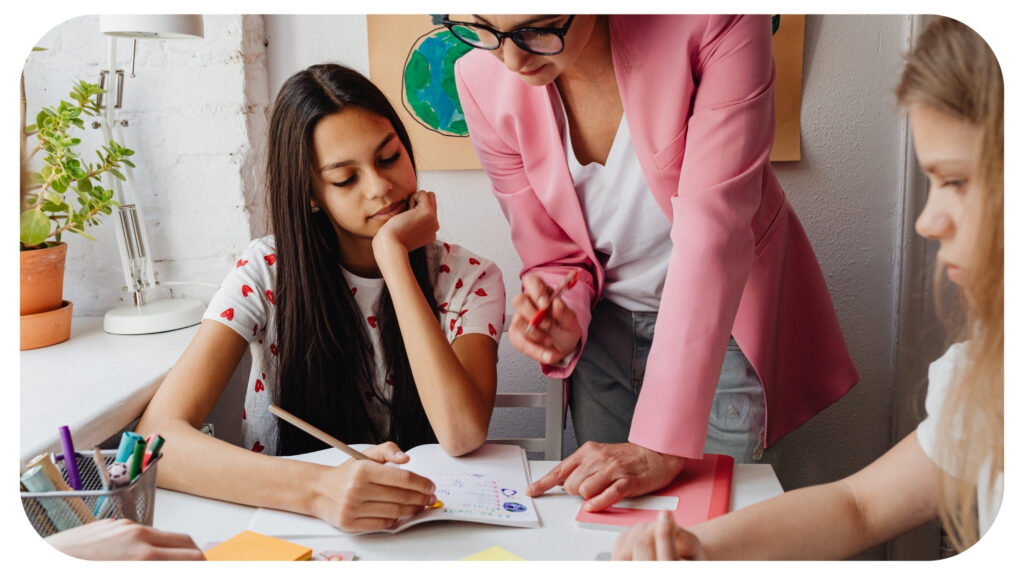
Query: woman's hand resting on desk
{"type": "Point", "coordinates": [660, 540]}
{"type": "Point", "coordinates": [369, 496]}
{"type": "Point", "coordinates": [556, 337]}
{"type": "Point", "coordinates": [121, 539]}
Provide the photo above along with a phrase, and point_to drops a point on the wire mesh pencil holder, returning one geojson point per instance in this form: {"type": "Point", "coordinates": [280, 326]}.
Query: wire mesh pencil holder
{"type": "Point", "coordinates": [54, 511]}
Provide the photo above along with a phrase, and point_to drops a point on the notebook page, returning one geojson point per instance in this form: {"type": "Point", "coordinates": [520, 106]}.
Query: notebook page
{"type": "Point", "coordinates": [487, 485]}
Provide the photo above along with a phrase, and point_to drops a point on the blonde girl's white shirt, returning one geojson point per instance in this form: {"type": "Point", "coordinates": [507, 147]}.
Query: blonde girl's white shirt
{"type": "Point", "coordinates": [941, 374]}
{"type": "Point", "coordinates": [468, 288]}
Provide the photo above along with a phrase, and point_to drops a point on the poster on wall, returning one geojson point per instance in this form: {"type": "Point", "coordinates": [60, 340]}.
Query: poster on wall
{"type": "Point", "coordinates": [788, 49]}
{"type": "Point", "coordinates": [412, 60]}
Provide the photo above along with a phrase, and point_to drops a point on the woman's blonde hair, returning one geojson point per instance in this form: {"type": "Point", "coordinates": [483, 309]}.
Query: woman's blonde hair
{"type": "Point", "coordinates": [953, 70]}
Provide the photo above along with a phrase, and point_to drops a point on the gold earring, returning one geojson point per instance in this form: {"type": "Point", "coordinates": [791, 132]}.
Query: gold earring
{"type": "Point", "coordinates": [315, 208]}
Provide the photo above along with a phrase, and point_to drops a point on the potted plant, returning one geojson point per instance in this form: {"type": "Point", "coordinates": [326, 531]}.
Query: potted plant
{"type": "Point", "coordinates": [64, 195]}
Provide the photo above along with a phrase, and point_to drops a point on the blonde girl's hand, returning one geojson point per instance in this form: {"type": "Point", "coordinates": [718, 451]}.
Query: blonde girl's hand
{"type": "Point", "coordinates": [415, 227]}
{"type": "Point", "coordinates": [556, 337]}
{"type": "Point", "coordinates": [368, 495]}
{"type": "Point", "coordinates": [661, 540]}
{"type": "Point", "coordinates": [124, 540]}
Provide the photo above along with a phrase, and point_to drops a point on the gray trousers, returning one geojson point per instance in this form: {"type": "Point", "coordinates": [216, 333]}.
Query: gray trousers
{"type": "Point", "coordinates": [604, 387]}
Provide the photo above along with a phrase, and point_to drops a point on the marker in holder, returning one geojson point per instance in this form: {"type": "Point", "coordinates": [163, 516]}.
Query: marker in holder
{"type": "Point", "coordinates": [51, 511]}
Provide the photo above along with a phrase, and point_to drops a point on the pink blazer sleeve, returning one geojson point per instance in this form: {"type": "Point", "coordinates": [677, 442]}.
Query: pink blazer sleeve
{"type": "Point", "coordinates": [544, 247]}
{"type": "Point", "coordinates": [727, 141]}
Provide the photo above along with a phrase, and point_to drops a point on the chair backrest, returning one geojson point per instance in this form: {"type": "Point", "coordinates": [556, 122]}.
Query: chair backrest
{"type": "Point", "coordinates": [551, 400]}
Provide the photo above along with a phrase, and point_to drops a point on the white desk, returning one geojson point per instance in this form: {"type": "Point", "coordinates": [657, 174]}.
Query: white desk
{"type": "Point", "coordinates": [559, 538]}
{"type": "Point", "coordinates": [96, 383]}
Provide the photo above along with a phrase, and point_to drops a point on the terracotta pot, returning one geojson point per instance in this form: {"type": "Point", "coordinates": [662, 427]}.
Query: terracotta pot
{"type": "Point", "coordinates": [42, 279]}
{"type": "Point", "coordinates": [46, 328]}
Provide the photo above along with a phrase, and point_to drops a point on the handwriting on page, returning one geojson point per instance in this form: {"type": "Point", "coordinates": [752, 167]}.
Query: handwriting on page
{"type": "Point", "coordinates": [474, 495]}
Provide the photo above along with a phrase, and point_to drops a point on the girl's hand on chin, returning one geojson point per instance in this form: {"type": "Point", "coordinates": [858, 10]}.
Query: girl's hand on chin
{"type": "Point", "coordinates": [413, 228]}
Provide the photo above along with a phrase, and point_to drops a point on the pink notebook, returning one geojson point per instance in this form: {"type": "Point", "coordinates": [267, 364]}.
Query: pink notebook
{"type": "Point", "coordinates": [700, 492]}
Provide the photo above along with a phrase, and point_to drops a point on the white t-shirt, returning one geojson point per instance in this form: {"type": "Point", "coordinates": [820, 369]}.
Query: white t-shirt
{"type": "Point", "coordinates": [468, 288]}
{"type": "Point", "coordinates": [629, 232]}
{"type": "Point", "coordinates": [941, 374]}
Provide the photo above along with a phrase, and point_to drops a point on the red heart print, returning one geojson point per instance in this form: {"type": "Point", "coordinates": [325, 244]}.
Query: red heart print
{"type": "Point", "coordinates": [270, 259]}
{"type": "Point", "coordinates": [463, 312]}
{"type": "Point", "coordinates": [480, 292]}
{"type": "Point", "coordinates": [447, 248]}
{"type": "Point", "coordinates": [263, 375]}
{"type": "Point", "coordinates": [491, 329]}
{"type": "Point", "coordinates": [443, 307]}
{"type": "Point", "coordinates": [445, 269]}
{"type": "Point", "coordinates": [353, 291]}
{"type": "Point", "coordinates": [270, 296]}
{"type": "Point", "coordinates": [458, 284]}
{"type": "Point", "coordinates": [372, 320]}
{"type": "Point", "coordinates": [483, 273]}
{"type": "Point", "coordinates": [459, 332]}
{"type": "Point", "coordinates": [243, 413]}
{"type": "Point", "coordinates": [260, 342]}
{"type": "Point", "coordinates": [241, 263]}
{"type": "Point", "coordinates": [259, 386]}
{"type": "Point", "coordinates": [255, 328]}
{"type": "Point", "coordinates": [452, 325]}
{"type": "Point", "coordinates": [389, 382]}
{"type": "Point", "coordinates": [474, 262]}
{"type": "Point", "coordinates": [228, 314]}
{"type": "Point", "coordinates": [257, 447]}
{"type": "Point", "coordinates": [273, 349]}
{"type": "Point", "coordinates": [246, 290]}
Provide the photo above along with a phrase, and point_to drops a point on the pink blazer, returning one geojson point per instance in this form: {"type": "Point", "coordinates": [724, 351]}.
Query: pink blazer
{"type": "Point", "coordinates": [697, 94]}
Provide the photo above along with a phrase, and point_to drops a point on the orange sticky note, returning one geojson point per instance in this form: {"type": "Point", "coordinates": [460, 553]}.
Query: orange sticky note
{"type": "Point", "coordinates": [252, 546]}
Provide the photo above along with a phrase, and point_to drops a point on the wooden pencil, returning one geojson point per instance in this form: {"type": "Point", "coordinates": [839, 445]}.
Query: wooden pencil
{"type": "Point", "coordinates": [317, 433]}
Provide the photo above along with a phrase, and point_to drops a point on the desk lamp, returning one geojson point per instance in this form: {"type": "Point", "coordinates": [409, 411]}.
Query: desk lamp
{"type": "Point", "coordinates": [139, 316]}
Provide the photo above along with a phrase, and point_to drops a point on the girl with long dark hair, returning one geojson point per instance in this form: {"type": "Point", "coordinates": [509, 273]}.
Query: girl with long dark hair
{"type": "Point", "coordinates": [358, 321]}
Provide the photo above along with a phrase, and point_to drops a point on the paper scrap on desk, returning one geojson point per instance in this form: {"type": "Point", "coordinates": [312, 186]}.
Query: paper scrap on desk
{"type": "Point", "coordinates": [252, 546]}
{"type": "Point", "coordinates": [649, 502]}
{"type": "Point", "coordinates": [493, 554]}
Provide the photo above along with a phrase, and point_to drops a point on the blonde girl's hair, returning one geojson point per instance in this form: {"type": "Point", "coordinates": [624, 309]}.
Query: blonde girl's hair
{"type": "Point", "coordinates": [953, 70]}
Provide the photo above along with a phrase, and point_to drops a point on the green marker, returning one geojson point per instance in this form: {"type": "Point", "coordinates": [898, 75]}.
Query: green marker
{"type": "Point", "coordinates": [153, 444]}
{"type": "Point", "coordinates": [138, 454]}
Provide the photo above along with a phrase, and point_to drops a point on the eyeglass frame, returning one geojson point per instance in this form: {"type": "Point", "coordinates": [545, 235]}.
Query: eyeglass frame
{"type": "Point", "coordinates": [560, 32]}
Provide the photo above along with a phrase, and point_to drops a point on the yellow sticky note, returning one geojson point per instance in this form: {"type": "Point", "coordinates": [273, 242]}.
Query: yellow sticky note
{"type": "Point", "coordinates": [252, 546]}
{"type": "Point", "coordinates": [493, 554]}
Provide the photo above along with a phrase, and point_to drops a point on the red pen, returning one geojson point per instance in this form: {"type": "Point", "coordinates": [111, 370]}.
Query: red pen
{"type": "Point", "coordinates": [568, 282]}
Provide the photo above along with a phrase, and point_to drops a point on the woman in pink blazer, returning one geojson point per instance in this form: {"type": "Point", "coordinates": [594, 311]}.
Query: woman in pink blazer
{"type": "Point", "coordinates": [633, 151]}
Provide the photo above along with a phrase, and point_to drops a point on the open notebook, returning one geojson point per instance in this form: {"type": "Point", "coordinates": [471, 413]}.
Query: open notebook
{"type": "Point", "coordinates": [485, 486]}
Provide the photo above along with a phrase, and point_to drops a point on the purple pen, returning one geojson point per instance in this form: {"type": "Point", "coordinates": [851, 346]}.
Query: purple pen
{"type": "Point", "coordinates": [70, 465]}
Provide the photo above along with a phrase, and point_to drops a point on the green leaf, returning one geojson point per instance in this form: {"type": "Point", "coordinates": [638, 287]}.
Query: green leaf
{"type": "Point", "coordinates": [52, 196]}
{"type": "Point", "coordinates": [35, 227]}
{"type": "Point", "coordinates": [117, 174]}
{"type": "Point", "coordinates": [59, 185]}
{"type": "Point", "coordinates": [128, 163]}
{"type": "Point", "coordinates": [30, 128]}
{"type": "Point", "coordinates": [78, 173]}
{"type": "Point", "coordinates": [84, 184]}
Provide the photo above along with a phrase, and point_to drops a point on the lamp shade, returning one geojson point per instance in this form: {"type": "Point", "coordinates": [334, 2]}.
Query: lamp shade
{"type": "Point", "coordinates": [159, 26]}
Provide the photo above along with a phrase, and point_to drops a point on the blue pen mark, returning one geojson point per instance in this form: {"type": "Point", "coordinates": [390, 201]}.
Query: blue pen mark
{"type": "Point", "coordinates": [508, 492]}
{"type": "Point", "coordinates": [514, 507]}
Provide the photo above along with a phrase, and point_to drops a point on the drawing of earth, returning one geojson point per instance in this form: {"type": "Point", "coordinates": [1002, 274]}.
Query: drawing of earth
{"type": "Point", "coordinates": [428, 82]}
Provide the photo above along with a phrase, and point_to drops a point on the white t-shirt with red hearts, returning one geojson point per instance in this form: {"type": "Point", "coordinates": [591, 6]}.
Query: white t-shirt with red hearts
{"type": "Point", "coordinates": [468, 288]}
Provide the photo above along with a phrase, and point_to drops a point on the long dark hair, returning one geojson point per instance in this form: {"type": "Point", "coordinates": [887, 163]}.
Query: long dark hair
{"type": "Point", "coordinates": [326, 359]}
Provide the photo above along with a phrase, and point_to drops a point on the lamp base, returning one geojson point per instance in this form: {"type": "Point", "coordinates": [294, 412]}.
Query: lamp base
{"type": "Point", "coordinates": [154, 317]}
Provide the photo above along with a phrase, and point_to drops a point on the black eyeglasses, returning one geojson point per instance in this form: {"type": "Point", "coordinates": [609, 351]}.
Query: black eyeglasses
{"type": "Point", "coordinates": [541, 41]}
